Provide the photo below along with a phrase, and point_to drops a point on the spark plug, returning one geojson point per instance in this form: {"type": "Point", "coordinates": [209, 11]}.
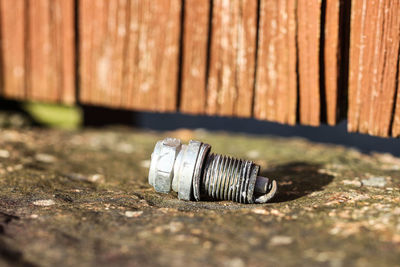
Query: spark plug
{"type": "Point", "coordinates": [195, 173]}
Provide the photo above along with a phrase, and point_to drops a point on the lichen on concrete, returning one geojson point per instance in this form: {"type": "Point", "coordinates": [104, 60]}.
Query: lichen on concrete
{"type": "Point", "coordinates": [71, 198]}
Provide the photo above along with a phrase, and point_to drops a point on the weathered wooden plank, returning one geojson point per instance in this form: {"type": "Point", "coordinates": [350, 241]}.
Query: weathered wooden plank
{"type": "Point", "coordinates": [130, 71]}
{"type": "Point", "coordinates": [220, 82]}
{"type": "Point", "coordinates": [87, 49]}
{"type": "Point", "coordinates": [38, 50]}
{"type": "Point", "coordinates": [276, 82]}
{"type": "Point", "coordinates": [372, 29]}
{"type": "Point", "coordinates": [374, 56]}
{"type": "Point", "coordinates": [247, 46]}
{"type": "Point", "coordinates": [66, 26]}
{"type": "Point", "coordinates": [308, 40]}
{"type": "Point", "coordinates": [42, 83]}
{"type": "Point", "coordinates": [168, 57]}
{"type": "Point", "coordinates": [101, 43]}
{"type": "Point", "coordinates": [13, 39]}
{"type": "Point", "coordinates": [355, 62]}
{"type": "Point", "coordinates": [360, 77]}
{"type": "Point", "coordinates": [194, 56]}
{"type": "Point", "coordinates": [386, 69]}
{"type": "Point", "coordinates": [154, 56]}
{"type": "Point", "coordinates": [130, 53]}
{"type": "Point", "coordinates": [232, 58]}
{"type": "Point", "coordinates": [332, 57]}
{"type": "Point", "coordinates": [51, 50]}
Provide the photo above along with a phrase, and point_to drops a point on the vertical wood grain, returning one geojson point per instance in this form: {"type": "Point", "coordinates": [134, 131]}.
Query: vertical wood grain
{"type": "Point", "coordinates": [13, 39]}
{"type": "Point", "coordinates": [101, 44]}
{"type": "Point", "coordinates": [357, 46]}
{"type": "Point", "coordinates": [308, 38]}
{"type": "Point", "coordinates": [43, 70]}
{"type": "Point", "coordinates": [276, 82]}
{"type": "Point", "coordinates": [194, 56]}
{"type": "Point", "coordinates": [232, 58]}
{"type": "Point", "coordinates": [153, 54]}
{"type": "Point", "coordinates": [38, 50]}
{"type": "Point", "coordinates": [130, 53]}
{"type": "Point", "coordinates": [51, 50]}
{"type": "Point", "coordinates": [386, 47]}
{"type": "Point", "coordinates": [332, 57]}
{"type": "Point", "coordinates": [66, 28]}
{"type": "Point", "coordinates": [374, 56]}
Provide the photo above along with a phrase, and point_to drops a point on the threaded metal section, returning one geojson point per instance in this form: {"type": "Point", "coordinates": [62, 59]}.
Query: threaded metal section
{"type": "Point", "coordinates": [227, 178]}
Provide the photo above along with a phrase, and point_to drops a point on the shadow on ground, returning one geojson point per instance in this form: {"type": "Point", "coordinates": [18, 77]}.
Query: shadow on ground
{"type": "Point", "coordinates": [98, 116]}
{"type": "Point", "coordinates": [297, 179]}
{"type": "Point", "coordinates": [13, 115]}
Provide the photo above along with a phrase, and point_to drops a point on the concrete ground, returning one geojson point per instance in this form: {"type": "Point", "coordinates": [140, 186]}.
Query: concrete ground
{"type": "Point", "coordinates": [81, 198]}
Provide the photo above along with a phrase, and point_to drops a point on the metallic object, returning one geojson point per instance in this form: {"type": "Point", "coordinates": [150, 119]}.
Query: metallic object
{"type": "Point", "coordinates": [193, 172]}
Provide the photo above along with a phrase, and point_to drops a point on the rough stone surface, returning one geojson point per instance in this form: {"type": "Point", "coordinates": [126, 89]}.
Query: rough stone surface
{"type": "Point", "coordinates": [323, 216]}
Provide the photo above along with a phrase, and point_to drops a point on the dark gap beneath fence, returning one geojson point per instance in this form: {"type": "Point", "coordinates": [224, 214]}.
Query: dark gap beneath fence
{"type": "Point", "coordinates": [180, 56]}
{"type": "Point", "coordinates": [97, 116]}
{"type": "Point", "coordinates": [14, 115]}
{"type": "Point", "coordinates": [100, 116]}
{"type": "Point", "coordinates": [322, 94]}
{"type": "Point", "coordinates": [344, 37]}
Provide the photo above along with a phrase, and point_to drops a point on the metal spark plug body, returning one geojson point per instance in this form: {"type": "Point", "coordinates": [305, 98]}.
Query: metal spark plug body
{"type": "Point", "coordinates": [193, 172]}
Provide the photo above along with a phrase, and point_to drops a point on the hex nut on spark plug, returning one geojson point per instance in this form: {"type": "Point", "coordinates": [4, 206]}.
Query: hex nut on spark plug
{"type": "Point", "coordinates": [193, 172]}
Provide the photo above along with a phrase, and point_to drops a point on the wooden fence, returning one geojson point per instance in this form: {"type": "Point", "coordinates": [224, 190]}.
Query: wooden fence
{"type": "Point", "coordinates": [289, 61]}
